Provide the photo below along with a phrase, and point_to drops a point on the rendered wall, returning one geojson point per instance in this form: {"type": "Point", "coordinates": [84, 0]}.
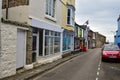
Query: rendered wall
{"type": "Point", "coordinates": [18, 13]}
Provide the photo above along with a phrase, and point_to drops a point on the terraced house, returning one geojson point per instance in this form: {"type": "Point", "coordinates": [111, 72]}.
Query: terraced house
{"type": "Point", "coordinates": [80, 37]}
{"type": "Point", "coordinates": [68, 24]}
{"type": "Point", "coordinates": [31, 33]}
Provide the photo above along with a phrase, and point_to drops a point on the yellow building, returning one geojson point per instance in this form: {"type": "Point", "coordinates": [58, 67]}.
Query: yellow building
{"type": "Point", "coordinates": [68, 23]}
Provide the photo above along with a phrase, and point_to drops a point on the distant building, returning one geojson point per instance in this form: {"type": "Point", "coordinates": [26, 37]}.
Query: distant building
{"type": "Point", "coordinates": [80, 37]}
{"type": "Point", "coordinates": [117, 36]}
{"type": "Point", "coordinates": [100, 40]}
{"type": "Point", "coordinates": [90, 37]}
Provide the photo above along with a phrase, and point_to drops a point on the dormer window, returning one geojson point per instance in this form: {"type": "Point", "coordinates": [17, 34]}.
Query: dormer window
{"type": "Point", "coordinates": [50, 8]}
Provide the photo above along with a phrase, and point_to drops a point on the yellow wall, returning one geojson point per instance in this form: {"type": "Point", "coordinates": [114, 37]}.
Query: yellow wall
{"type": "Point", "coordinates": [64, 14]}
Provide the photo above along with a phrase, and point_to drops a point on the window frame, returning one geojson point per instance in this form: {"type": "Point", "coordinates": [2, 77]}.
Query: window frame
{"type": "Point", "coordinates": [50, 8]}
{"type": "Point", "coordinates": [72, 16]}
{"type": "Point", "coordinates": [52, 37]}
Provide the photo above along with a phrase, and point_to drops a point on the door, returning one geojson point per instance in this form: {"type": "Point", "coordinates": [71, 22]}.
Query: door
{"type": "Point", "coordinates": [35, 44]}
{"type": "Point", "coordinates": [21, 48]}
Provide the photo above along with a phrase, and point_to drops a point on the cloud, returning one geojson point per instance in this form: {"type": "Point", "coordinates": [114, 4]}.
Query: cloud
{"type": "Point", "coordinates": [102, 15]}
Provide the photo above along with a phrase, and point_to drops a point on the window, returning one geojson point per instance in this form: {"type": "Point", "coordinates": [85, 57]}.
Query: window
{"type": "Point", "coordinates": [70, 16]}
{"type": "Point", "coordinates": [34, 43]}
{"type": "Point", "coordinates": [66, 42]}
{"type": "Point", "coordinates": [52, 42]}
{"type": "Point", "coordinates": [50, 8]}
{"type": "Point", "coordinates": [118, 35]}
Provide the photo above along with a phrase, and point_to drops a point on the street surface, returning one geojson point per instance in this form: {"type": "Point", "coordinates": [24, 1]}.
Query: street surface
{"type": "Point", "coordinates": [87, 66]}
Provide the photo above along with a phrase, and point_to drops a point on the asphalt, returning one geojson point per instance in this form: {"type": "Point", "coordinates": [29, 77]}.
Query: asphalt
{"type": "Point", "coordinates": [82, 67]}
{"type": "Point", "coordinates": [110, 70]}
{"type": "Point", "coordinates": [77, 66]}
{"type": "Point", "coordinates": [40, 69]}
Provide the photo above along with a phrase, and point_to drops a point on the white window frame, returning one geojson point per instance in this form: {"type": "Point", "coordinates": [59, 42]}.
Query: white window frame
{"type": "Point", "coordinates": [72, 16]}
{"type": "Point", "coordinates": [50, 8]}
{"type": "Point", "coordinates": [51, 36]}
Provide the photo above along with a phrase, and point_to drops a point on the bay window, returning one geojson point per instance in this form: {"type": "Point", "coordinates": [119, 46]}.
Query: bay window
{"type": "Point", "coordinates": [70, 16]}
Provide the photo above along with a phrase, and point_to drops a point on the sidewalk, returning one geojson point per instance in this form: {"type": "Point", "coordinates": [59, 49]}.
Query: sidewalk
{"type": "Point", "coordinates": [39, 69]}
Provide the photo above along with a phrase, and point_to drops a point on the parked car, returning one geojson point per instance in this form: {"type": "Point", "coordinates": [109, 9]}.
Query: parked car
{"type": "Point", "coordinates": [110, 51]}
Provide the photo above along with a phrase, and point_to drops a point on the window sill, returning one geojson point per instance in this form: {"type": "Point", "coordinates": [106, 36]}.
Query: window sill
{"type": "Point", "coordinates": [70, 25]}
{"type": "Point", "coordinates": [50, 18]}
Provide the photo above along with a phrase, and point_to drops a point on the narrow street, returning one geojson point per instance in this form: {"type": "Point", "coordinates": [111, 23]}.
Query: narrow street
{"type": "Point", "coordinates": [87, 66]}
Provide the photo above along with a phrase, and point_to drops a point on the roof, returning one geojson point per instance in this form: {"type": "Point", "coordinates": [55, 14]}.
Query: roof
{"type": "Point", "coordinates": [81, 26]}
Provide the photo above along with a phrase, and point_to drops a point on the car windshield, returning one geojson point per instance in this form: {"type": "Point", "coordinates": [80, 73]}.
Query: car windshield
{"type": "Point", "coordinates": [111, 47]}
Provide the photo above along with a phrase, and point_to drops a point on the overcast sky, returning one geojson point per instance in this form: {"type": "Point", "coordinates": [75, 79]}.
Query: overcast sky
{"type": "Point", "coordinates": [102, 15]}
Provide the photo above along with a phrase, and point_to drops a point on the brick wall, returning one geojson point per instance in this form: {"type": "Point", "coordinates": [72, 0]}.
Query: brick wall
{"type": "Point", "coordinates": [13, 3]}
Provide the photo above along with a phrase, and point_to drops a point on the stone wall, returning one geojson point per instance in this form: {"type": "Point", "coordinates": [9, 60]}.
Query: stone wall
{"type": "Point", "coordinates": [29, 47]}
{"type": "Point", "coordinates": [8, 50]}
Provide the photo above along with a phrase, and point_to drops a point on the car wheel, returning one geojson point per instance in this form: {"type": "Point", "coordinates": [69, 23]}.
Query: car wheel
{"type": "Point", "coordinates": [103, 60]}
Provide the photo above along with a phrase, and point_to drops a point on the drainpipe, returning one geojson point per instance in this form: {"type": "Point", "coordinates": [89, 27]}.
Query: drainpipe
{"type": "Point", "coordinates": [7, 6]}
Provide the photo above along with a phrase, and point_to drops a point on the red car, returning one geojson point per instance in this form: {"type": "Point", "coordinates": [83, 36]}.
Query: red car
{"type": "Point", "coordinates": [110, 52]}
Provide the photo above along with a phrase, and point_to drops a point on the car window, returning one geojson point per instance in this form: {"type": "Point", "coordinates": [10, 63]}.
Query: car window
{"type": "Point", "coordinates": [111, 47]}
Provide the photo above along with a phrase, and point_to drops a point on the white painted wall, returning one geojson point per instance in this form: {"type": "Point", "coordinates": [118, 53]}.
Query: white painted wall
{"type": "Point", "coordinates": [18, 13]}
{"type": "Point", "coordinates": [37, 11]}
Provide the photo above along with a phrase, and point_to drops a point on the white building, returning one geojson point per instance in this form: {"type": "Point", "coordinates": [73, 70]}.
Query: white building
{"type": "Point", "coordinates": [41, 42]}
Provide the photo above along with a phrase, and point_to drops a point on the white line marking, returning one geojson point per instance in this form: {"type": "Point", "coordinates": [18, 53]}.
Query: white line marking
{"type": "Point", "coordinates": [96, 78]}
{"type": "Point", "coordinates": [98, 68]}
{"type": "Point", "coordinates": [98, 73]}
{"type": "Point", "coordinates": [99, 65]}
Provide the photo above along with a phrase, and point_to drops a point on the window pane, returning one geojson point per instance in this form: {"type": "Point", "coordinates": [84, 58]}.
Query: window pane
{"type": "Point", "coordinates": [68, 14]}
{"type": "Point", "coordinates": [47, 50]}
{"type": "Point", "coordinates": [53, 8]}
{"type": "Point", "coordinates": [57, 45]}
{"type": "Point", "coordinates": [47, 6]}
{"type": "Point", "coordinates": [46, 41]}
{"type": "Point", "coordinates": [34, 42]}
{"type": "Point", "coordinates": [56, 33]}
{"type": "Point", "coordinates": [46, 45]}
{"type": "Point", "coordinates": [51, 50]}
{"type": "Point", "coordinates": [35, 30]}
{"type": "Point", "coordinates": [57, 49]}
{"type": "Point", "coordinates": [46, 32]}
{"type": "Point", "coordinates": [52, 33]}
{"type": "Point", "coordinates": [51, 41]}
{"type": "Point", "coordinates": [68, 20]}
{"type": "Point", "coordinates": [57, 41]}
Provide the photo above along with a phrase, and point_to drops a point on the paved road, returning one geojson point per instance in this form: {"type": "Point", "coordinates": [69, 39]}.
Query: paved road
{"type": "Point", "coordinates": [83, 67]}
{"type": "Point", "coordinates": [87, 66]}
{"type": "Point", "coordinates": [110, 70]}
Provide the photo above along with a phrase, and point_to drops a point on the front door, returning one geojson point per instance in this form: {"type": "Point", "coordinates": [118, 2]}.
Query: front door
{"type": "Point", "coordinates": [21, 48]}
